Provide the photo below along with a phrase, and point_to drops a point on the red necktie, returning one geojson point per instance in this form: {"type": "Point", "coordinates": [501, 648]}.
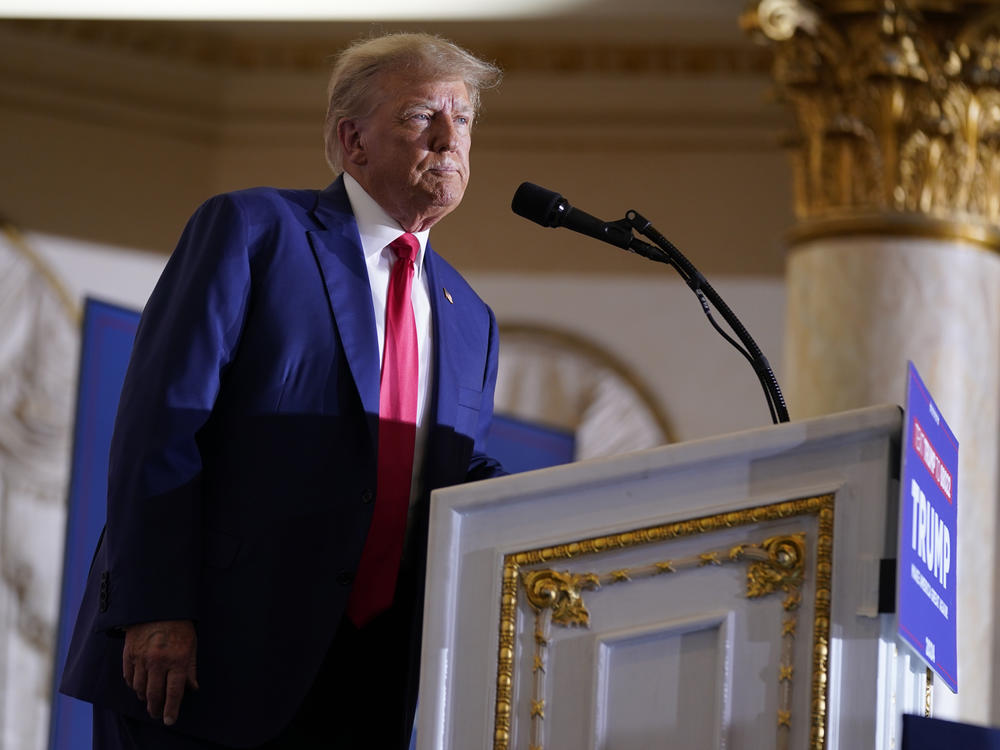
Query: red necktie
{"type": "Point", "coordinates": [375, 582]}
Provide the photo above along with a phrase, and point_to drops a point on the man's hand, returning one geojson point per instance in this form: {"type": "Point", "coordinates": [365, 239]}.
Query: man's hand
{"type": "Point", "coordinates": [158, 662]}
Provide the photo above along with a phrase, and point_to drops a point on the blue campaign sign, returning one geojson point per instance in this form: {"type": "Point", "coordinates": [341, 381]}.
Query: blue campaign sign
{"type": "Point", "coordinates": [928, 533]}
{"type": "Point", "coordinates": [106, 343]}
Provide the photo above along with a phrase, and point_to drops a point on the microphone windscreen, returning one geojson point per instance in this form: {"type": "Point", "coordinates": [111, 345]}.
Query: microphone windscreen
{"type": "Point", "coordinates": [537, 203]}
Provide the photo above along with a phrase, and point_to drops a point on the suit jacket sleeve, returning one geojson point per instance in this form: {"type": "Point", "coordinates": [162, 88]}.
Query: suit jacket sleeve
{"type": "Point", "coordinates": [188, 333]}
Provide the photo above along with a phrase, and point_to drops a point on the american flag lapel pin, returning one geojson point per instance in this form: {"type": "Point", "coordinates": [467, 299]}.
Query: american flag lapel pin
{"type": "Point", "coordinates": [447, 295]}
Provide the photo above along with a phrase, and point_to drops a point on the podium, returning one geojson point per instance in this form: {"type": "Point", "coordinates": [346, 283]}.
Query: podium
{"type": "Point", "coordinates": [721, 593]}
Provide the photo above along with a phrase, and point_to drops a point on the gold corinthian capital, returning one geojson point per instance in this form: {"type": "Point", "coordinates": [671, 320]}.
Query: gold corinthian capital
{"type": "Point", "coordinates": [897, 104]}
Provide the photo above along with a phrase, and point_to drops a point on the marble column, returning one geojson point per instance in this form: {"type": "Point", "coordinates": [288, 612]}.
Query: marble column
{"type": "Point", "coordinates": [894, 256]}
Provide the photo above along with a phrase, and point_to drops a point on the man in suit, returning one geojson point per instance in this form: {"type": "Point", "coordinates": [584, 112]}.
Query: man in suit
{"type": "Point", "coordinates": [306, 371]}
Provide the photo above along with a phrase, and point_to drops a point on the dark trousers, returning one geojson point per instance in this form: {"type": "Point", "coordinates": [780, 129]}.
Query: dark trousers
{"type": "Point", "coordinates": [359, 699]}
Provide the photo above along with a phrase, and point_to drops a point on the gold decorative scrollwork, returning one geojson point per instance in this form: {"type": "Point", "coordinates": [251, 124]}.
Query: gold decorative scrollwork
{"type": "Point", "coordinates": [561, 593]}
{"type": "Point", "coordinates": [780, 19]}
{"type": "Point", "coordinates": [929, 692]}
{"type": "Point", "coordinates": [776, 564]}
{"type": "Point", "coordinates": [897, 104]}
{"type": "Point", "coordinates": [783, 568]}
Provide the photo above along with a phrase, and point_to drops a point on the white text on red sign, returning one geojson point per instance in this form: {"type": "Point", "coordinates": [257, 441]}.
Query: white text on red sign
{"type": "Point", "coordinates": [931, 459]}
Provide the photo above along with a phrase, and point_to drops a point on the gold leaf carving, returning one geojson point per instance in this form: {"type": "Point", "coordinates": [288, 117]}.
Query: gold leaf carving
{"type": "Point", "coordinates": [782, 570]}
{"type": "Point", "coordinates": [560, 591]}
{"type": "Point", "coordinates": [897, 111]}
{"type": "Point", "coordinates": [781, 557]}
{"type": "Point", "coordinates": [620, 576]}
{"type": "Point", "coordinates": [709, 558]}
{"type": "Point", "coordinates": [538, 709]}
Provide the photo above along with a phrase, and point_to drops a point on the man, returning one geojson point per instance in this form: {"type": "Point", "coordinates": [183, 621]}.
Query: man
{"type": "Point", "coordinates": [305, 372]}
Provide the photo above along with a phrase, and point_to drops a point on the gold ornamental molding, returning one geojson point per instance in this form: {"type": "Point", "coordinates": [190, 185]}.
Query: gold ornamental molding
{"type": "Point", "coordinates": [775, 564]}
{"type": "Point", "coordinates": [897, 104]}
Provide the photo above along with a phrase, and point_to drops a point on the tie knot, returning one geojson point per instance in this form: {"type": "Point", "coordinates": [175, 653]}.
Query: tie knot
{"type": "Point", "coordinates": [406, 247]}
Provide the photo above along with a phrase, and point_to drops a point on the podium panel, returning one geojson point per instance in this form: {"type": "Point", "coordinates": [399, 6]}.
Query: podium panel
{"type": "Point", "coordinates": [661, 609]}
{"type": "Point", "coordinates": [713, 594]}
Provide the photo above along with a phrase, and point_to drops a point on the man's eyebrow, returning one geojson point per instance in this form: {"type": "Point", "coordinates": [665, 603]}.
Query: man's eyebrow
{"type": "Point", "coordinates": [464, 108]}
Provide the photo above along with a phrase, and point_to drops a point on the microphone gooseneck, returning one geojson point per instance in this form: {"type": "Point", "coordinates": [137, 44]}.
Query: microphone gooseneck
{"type": "Point", "coordinates": [549, 209]}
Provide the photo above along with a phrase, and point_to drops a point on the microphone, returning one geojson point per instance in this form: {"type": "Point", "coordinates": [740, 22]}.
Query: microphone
{"type": "Point", "coordinates": [550, 209]}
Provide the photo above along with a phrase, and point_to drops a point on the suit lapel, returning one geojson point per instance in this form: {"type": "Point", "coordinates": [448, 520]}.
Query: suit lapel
{"type": "Point", "coordinates": [446, 365]}
{"type": "Point", "coordinates": [341, 261]}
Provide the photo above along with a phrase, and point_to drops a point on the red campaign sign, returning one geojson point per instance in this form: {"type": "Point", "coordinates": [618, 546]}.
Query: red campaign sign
{"type": "Point", "coordinates": [931, 459]}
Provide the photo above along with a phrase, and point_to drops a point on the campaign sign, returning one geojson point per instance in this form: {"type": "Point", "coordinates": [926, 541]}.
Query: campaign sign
{"type": "Point", "coordinates": [928, 533]}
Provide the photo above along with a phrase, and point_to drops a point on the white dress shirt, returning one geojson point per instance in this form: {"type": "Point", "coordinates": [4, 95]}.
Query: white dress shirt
{"type": "Point", "coordinates": [377, 230]}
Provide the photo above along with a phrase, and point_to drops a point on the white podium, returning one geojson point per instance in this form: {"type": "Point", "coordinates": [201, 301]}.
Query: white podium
{"type": "Point", "coordinates": [714, 594]}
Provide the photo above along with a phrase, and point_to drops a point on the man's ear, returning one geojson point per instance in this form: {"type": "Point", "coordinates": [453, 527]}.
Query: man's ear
{"type": "Point", "coordinates": [351, 142]}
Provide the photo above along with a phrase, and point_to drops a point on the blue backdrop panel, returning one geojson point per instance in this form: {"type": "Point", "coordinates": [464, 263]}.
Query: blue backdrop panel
{"type": "Point", "coordinates": [105, 345]}
{"type": "Point", "coordinates": [523, 446]}
{"type": "Point", "coordinates": [108, 332]}
{"type": "Point", "coordinates": [920, 733]}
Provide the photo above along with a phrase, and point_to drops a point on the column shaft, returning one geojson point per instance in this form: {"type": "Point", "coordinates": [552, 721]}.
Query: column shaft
{"type": "Point", "coordinates": [858, 309]}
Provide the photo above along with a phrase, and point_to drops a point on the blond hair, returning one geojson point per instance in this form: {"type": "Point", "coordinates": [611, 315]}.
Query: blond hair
{"type": "Point", "coordinates": [425, 57]}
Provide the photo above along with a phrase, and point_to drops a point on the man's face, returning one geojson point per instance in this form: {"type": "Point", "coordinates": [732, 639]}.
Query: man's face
{"type": "Point", "coordinates": [411, 154]}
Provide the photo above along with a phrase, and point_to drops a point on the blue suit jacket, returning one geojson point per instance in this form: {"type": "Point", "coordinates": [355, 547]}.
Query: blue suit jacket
{"type": "Point", "coordinates": [243, 465]}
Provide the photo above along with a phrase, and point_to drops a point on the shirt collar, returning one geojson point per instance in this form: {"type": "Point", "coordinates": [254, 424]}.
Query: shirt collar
{"type": "Point", "coordinates": [376, 227]}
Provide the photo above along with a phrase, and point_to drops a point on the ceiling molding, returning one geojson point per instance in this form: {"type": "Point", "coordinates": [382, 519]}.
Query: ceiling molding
{"type": "Point", "coordinates": [253, 88]}
{"type": "Point", "coordinates": [299, 48]}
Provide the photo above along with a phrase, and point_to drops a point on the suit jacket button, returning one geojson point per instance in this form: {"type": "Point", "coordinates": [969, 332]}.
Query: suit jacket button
{"type": "Point", "coordinates": [345, 577]}
{"type": "Point", "coordinates": [367, 496]}
{"type": "Point", "coordinates": [103, 605]}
